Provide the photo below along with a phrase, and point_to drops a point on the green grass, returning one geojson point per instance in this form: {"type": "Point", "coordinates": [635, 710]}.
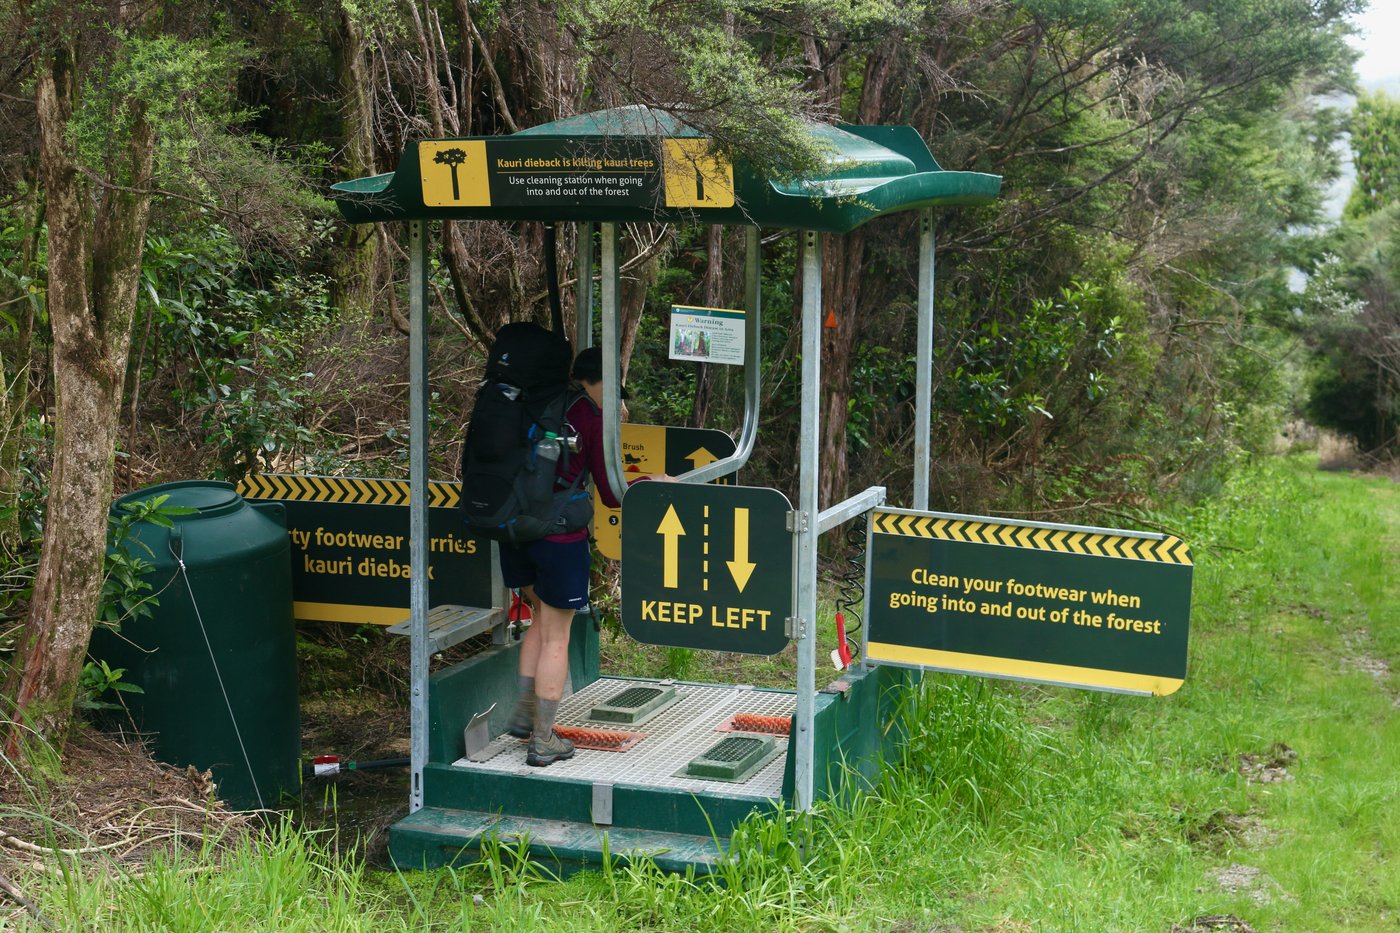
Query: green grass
{"type": "Point", "coordinates": [1013, 807]}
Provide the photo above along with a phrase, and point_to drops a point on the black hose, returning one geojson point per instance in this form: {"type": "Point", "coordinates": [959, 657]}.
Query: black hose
{"type": "Point", "coordinates": [379, 763]}
{"type": "Point", "coordinates": [850, 585]}
{"type": "Point", "coordinates": [309, 768]}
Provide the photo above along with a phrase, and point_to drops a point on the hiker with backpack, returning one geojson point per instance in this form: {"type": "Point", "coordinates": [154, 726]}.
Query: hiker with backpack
{"type": "Point", "coordinates": [533, 441]}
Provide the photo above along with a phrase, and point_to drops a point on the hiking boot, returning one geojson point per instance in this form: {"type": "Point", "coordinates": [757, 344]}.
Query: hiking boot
{"type": "Point", "coordinates": [547, 751]}
{"type": "Point", "coordinates": [522, 718]}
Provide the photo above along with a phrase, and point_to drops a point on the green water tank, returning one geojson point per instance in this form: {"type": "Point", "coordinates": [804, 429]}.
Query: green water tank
{"type": "Point", "coordinates": [217, 659]}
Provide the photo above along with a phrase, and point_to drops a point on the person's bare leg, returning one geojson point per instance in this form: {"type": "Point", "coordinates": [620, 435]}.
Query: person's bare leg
{"type": "Point", "coordinates": [522, 717]}
{"type": "Point", "coordinates": [551, 663]}
{"type": "Point", "coordinates": [551, 670]}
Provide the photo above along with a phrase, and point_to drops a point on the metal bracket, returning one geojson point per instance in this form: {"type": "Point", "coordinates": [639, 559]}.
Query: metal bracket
{"type": "Point", "coordinates": [798, 521]}
{"type": "Point", "coordinates": [602, 811]}
{"type": "Point", "coordinates": [795, 627]}
{"type": "Point", "coordinates": [477, 734]}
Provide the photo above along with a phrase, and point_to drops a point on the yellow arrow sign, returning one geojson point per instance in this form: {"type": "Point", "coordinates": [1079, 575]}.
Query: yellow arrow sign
{"type": "Point", "coordinates": [700, 457]}
{"type": "Point", "coordinates": [671, 531]}
{"type": "Point", "coordinates": [740, 568]}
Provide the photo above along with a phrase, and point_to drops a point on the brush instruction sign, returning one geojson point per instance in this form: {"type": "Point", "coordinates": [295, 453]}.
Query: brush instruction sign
{"type": "Point", "coordinates": [649, 449]}
{"type": "Point", "coordinates": [1059, 604]}
{"type": "Point", "coordinates": [707, 567]}
{"type": "Point", "coordinates": [350, 547]}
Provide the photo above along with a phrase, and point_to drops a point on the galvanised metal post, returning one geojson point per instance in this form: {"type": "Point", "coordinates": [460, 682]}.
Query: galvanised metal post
{"type": "Point", "coordinates": [923, 361]}
{"type": "Point", "coordinates": [753, 351]}
{"type": "Point", "coordinates": [805, 541]}
{"type": "Point", "coordinates": [418, 504]}
{"type": "Point", "coordinates": [583, 287]}
{"type": "Point", "coordinates": [612, 371]}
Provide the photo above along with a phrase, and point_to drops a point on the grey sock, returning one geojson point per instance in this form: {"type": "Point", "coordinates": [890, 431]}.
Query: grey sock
{"type": "Point", "coordinates": [545, 711]}
{"type": "Point", "coordinates": [525, 688]}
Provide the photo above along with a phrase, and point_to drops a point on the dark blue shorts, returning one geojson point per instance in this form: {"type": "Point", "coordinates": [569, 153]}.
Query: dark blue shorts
{"type": "Point", "coordinates": [557, 570]}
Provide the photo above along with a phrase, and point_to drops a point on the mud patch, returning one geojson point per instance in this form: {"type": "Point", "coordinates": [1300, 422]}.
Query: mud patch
{"type": "Point", "coordinates": [1250, 830]}
{"type": "Point", "coordinates": [1228, 923]}
{"type": "Point", "coordinates": [1250, 881]}
{"type": "Point", "coordinates": [1271, 767]}
{"type": "Point", "coordinates": [1357, 643]}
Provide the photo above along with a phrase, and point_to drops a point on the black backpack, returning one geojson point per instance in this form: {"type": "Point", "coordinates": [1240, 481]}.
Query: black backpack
{"type": "Point", "coordinates": [509, 460]}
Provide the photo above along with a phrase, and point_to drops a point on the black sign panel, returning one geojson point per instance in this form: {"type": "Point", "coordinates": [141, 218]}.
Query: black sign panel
{"type": "Point", "coordinates": [350, 547]}
{"type": "Point", "coordinates": [1056, 604]}
{"type": "Point", "coordinates": [706, 567]}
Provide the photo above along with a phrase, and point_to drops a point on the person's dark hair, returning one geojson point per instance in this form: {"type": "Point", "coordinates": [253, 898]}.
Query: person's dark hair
{"type": "Point", "coordinates": [588, 367]}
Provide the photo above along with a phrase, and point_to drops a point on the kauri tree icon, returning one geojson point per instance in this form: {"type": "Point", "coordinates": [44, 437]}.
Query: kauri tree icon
{"type": "Point", "coordinates": [452, 158]}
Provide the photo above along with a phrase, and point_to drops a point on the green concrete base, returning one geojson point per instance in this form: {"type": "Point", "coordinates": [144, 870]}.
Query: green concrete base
{"type": "Point", "coordinates": [437, 837]}
{"type": "Point", "coordinates": [855, 732]}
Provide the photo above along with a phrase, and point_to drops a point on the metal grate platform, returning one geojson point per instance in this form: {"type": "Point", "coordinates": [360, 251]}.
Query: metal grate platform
{"type": "Point", "coordinates": [675, 736]}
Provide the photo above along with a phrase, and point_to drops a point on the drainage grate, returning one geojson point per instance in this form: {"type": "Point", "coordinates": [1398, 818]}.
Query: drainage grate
{"type": "Point", "coordinates": [757, 722]}
{"type": "Point", "coordinates": [633, 705]}
{"type": "Point", "coordinates": [733, 758]}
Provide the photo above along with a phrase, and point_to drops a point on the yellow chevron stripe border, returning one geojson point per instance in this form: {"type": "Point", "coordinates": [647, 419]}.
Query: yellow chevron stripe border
{"type": "Point", "coordinates": [343, 490]}
{"type": "Point", "coordinates": [1167, 550]}
{"type": "Point", "coordinates": [1038, 671]}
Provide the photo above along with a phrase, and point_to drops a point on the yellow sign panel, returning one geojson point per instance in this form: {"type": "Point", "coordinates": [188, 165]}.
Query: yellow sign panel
{"type": "Point", "coordinates": [454, 173]}
{"type": "Point", "coordinates": [647, 450]}
{"type": "Point", "coordinates": [643, 454]}
{"type": "Point", "coordinates": [695, 175]}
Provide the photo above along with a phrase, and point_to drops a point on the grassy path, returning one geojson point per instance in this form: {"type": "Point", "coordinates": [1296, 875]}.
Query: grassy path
{"type": "Point", "coordinates": [1264, 795]}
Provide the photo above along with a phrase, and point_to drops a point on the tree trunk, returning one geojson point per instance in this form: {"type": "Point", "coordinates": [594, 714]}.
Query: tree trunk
{"type": "Point", "coordinates": [841, 274]}
{"type": "Point", "coordinates": [357, 258]}
{"type": "Point", "coordinates": [714, 298]}
{"type": "Point", "coordinates": [842, 267]}
{"type": "Point", "coordinates": [94, 270]}
{"type": "Point", "coordinates": [632, 289]}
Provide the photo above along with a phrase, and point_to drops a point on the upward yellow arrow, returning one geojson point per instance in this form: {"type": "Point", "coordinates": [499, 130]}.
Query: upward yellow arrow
{"type": "Point", "coordinates": [700, 457]}
{"type": "Point", "coordinates": [671, 531]}
{"type": "Point", "coordinates": [740, 568]}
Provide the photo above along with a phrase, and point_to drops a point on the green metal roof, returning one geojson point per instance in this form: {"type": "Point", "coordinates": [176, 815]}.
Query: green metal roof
{"type": "Point", "coordinates": [640, 164]}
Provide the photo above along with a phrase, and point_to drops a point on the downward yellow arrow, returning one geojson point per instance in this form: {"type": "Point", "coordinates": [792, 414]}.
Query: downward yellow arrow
{"type": "Point", "coordinates": [700, 457]}
{"type": "Point", "coordinates": [740, 568]}
{"type": "Point", "coordinates": [671, 531]}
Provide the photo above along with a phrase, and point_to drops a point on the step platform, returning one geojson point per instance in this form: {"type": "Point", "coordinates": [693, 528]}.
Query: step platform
{"type": "Point", "coordinates": [438, 836]}
{"type": "Point", "coordinates": [664, 768]}
{"type": "Point", "coordinates": [630, 786]}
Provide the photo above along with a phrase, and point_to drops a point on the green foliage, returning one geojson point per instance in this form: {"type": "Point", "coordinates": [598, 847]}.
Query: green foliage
{"type": "Point", "coordinates": [180, 88]}
{"type": "Point", "coordinates": [1004, 376]}
{"type": "Point", "coordinates": [1375, 145]}
{"type": "Point", "coordinates": [96, 680]}
{"type": "Point", "coordinates": [1351, 311]}
{"type": "Point", "coordinates": [126, 593]}
{"type": "Point", "coordinates": [232, 349]}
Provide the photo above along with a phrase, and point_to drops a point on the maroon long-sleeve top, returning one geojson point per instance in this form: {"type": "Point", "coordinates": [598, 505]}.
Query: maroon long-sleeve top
{"type": "Point", "coordinates": [587, 422]}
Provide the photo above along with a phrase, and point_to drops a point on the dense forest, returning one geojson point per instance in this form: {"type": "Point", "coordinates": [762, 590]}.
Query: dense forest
{"type": "Point", "coordinates": [1155, 294]}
